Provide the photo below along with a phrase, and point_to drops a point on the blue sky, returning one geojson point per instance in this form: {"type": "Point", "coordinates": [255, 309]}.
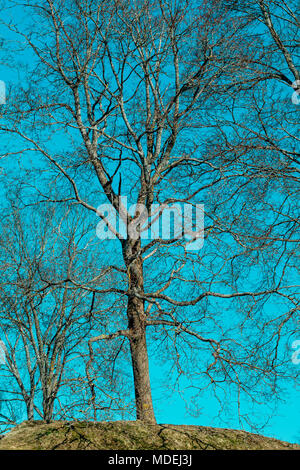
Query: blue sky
{"type": "Point", "coordinates": [284, 425]}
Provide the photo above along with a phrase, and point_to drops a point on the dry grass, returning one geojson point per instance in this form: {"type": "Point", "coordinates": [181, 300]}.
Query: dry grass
{"type": "Point", "coordinates": [132, 435]}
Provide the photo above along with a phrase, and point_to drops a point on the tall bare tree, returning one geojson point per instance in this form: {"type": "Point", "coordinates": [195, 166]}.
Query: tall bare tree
{"type": "Point", "coordinates": [149, 100]}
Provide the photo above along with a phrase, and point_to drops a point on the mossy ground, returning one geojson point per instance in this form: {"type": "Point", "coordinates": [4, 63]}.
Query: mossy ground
{"type": "Point", "coordinates": [132, 435]}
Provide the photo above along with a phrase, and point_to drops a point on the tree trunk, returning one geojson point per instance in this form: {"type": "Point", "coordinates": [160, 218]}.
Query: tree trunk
{"type": "Point", "coordinates": [29, 408]}
{"type": "Point", "coordinates": [48, 405]}
{"type": "Point", "coordinates": [48, 401]}
{"type": "Point", "coordinates": [137, 337]}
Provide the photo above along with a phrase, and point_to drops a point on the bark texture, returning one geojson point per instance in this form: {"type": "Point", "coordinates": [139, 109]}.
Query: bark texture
{"type": "Point", "coordinates": [137, 332]}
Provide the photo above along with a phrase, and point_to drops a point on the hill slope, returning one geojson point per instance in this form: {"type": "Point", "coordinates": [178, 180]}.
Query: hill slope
{"type": "Point", "coordinates": [132, 435]}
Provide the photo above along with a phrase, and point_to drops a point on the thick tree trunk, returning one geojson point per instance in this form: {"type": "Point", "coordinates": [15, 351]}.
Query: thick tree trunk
{"type": "Point", "coordinates": [29, 407]}
{"type": "Point", "coordinates": [48, 410]}
{"type": "Point", "coordinates": [48, 403]}
{"type": "Point", "coordinates": [137, 337]}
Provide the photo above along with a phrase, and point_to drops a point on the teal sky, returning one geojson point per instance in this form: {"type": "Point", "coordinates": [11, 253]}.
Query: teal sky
{"type": "Point", "coordinates": [284, 425]}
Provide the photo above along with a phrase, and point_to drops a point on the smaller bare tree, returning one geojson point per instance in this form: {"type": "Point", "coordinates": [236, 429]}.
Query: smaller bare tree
{"type": "Point", "coordinates": [45, 318]}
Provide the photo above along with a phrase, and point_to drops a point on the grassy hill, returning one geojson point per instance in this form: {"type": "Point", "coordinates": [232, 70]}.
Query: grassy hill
{"type": "Point", "coordinates": [132, 435]}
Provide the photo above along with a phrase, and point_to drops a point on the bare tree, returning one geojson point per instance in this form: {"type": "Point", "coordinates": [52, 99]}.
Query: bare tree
{"type": "Point", "coordinates": [149, 100]}
{"type": "Point", "coordinates": [45, 319]}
